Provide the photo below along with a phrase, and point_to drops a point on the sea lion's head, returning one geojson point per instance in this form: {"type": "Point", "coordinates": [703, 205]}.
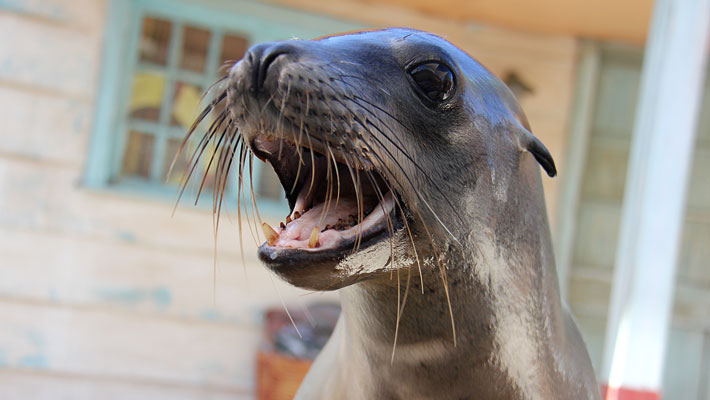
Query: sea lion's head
{"type": "Point", "coordinates": [389, 145]}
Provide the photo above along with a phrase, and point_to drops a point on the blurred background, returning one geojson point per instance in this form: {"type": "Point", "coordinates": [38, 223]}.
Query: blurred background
{"type": "Point", "coordinates": [105, 294]}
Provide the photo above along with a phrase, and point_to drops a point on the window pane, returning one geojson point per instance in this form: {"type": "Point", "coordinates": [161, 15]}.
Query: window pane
{"type": "Point", "coordinates": [138, 157]}
{"type": "Point", "coordinates": [181, 163]}
{"type": "Point", "coordinates": [154, 40]}
{"type": "Point", "coordinates": [195, 44]}
{"type": "Point", "coordinates": [147, 96]}
{"type": "Point", "coordinates": [186, 104]}
{"type": "Point", "coordinates": [210, 153]}
{"type": "Point", "coordinates": [233, 49]}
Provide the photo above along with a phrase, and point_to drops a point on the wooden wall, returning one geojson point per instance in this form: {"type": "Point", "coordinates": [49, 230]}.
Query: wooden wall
{"type": "Point", "coordinates": [103, 294]}
{"type": "Point", "coordinates": [687, 372]}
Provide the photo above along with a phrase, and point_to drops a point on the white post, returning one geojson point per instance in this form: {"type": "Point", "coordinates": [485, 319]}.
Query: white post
{"type": "Point", "coordinates": [654, 201]}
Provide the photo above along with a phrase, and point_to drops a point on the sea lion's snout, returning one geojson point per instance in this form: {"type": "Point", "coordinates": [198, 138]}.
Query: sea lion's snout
{"type": "Point", "coordinates": [257, 62]}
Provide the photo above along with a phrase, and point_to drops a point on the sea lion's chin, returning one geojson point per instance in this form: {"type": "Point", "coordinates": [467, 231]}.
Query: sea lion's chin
{"type": "Point", "coordinates": [339, 210]}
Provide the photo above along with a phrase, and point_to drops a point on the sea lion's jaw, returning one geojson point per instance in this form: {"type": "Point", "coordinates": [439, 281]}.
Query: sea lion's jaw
{"type": "Point", "coordinates": [335, 211]}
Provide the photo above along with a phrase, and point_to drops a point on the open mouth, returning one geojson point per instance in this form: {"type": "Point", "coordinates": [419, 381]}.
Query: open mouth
{"type": "Point", "coordinates": [336, 204]}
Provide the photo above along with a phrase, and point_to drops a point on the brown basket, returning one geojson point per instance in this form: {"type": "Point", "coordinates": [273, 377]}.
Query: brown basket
{"type": "Point", "coordinates": [277, 376]}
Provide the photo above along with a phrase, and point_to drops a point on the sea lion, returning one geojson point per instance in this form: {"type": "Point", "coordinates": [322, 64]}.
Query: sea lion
{"type": "Point", "coordinates": [411, 175]}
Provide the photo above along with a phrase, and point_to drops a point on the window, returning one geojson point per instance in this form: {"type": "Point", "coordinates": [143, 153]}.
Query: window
{"type": "Point", "coordinates": [600, 174]}
{"type": "Point", "coordinates": [176, 61]}
{"type": "Point", "coordinates": [159, 58]}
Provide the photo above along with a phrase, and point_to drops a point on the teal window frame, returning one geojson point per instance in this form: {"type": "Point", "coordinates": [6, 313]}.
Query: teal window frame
{"type": "Point", "coordinates": [255, 21]}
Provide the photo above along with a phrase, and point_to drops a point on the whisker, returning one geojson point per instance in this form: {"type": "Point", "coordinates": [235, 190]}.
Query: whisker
{"type": "Point", "coordinates": [299, 152]}
{"type": "Point", "coordinates": [212, 86]}
{"type": "Point", "coordinates": [329, 190]}
{"type": "Point", "coordinates": [239, 210]}
{"type": "Point", "coordinates": [223, 171]}
{"type": "Point", "coordinates": [390, 225]}
{"type": "Point", "coordinates": [221, 174]}
{"type": "Point", "coordinates": [337, 175]}
{"type": "Point", "coordinates": [243, 157]}
{"type": "Point", "coordinates": [214, 153]}
{"type": "Point", "coordinates": [310, 144]}
{"type": "Point", "coordinates": [400, 311]}
{"type": "Point", "coordinates": [389, 173]}
{"type": "Point", "coordinates": [411, 239]}
{"type": "Point", "coordinates": [255, 206]}
{"type": "Point", "coordinates": [358, 195]}
{"type": "Point", "coordinates": [360, 211]}
{"type": "Point", "coordinates": [415, 164]}
{"type": "Point", "coordinates": [442, 271]}
{"type": "Point", "coordinates": [283, 303]}
{"type": "Point", "coordinates": [298, 147]}
{"type": "Point", "coordinates": [279, 123]}
{"type": "Point", "coordinates": [194, 159]}
{"type": "Point", "coordinates": [419, 195]}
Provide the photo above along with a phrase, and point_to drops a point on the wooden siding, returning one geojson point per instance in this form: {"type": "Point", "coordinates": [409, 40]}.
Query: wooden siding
{"type": "Point", "coordinates": [598, 219]}
{"type": "Point", "coordinates": [102, 293]}
{"type": "Point", "coordinates": [626, 20]}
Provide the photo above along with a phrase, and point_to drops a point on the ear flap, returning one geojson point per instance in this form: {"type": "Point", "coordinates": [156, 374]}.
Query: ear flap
{"type": "Point", "coordinates": [539, 151]}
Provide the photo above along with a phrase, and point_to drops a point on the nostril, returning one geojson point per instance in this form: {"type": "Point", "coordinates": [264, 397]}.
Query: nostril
{"type": "Point", "coordinates": [267, 60]}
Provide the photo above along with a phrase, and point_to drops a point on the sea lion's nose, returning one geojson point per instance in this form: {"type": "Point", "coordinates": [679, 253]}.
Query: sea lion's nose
{"type": "Point", "coordinates": [261, 57]}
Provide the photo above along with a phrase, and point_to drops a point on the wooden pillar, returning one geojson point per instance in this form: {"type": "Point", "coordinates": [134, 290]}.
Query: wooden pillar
{"type": "Point", "coordinates": [654, 202]}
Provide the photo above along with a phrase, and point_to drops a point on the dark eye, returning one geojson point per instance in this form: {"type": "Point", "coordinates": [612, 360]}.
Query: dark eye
{"type": "Point", "coordinates": [434, 80]}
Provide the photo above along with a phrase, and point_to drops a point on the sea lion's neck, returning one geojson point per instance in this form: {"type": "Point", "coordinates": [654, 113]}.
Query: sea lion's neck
{"type": "Point", "coordinates": [499, 314]}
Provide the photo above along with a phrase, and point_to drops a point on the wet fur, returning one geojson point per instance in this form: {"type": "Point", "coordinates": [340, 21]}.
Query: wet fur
{"type": "Point", "coordinates": [462, 300]}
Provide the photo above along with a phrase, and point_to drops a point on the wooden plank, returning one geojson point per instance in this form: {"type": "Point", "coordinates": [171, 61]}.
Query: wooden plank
{"type": "Point", "coordinates": [705, 369]}
{"type": "Point", "coordinates": [49, 57]}
{"type": "Point", "coordinates": [29, 117]}
{"type": "Point", "coordinates": [595, 242]}
{"type": "Point", "coordinates": [605, 174]}
{"type": "Point", "coordinates": [704, 121]}
{"type": "Point", "coordinates": [589, 295]}
{"type": "Point", "coordinates": [642, 295]}
{"type": "Point", "coordinates": [618, 94]}
{"type": "Point", "coordinates": [41, 197]}
{"type": "Point", "coordinates": [691, 306]}
{"type": "Point", "coordinates": [682, 365]}
{"type": "Point", "coordinates": [106, 275]}
{"type": "Point", "coordinates": [699, 187]}
{"type": "Point", "coordinates": [603, 19]}
{"type": "Point", "coordinates": [576, 156]}
{"type": "Point", "coordinates": [693, 261]}
{"type": "Point", "coordinates": [79, 14]}
{"type": "Point", "coordinates": [40, 385]}
{"type": "Point", "coordinates": [486, 37]}
{"type": "Point", "coordinates": [683, 373]}
{"type": "Point", "coordinates": [93, 343]}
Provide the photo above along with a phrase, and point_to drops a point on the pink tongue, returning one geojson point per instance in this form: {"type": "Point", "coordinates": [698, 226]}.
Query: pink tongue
{"type": "Point", "coordinates": [301, 228]}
